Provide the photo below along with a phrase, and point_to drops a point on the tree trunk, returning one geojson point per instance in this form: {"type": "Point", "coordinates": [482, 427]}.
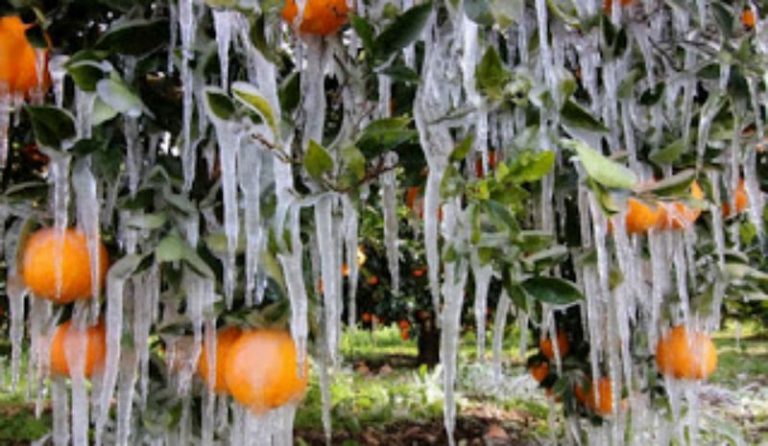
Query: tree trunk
{"type": "Point", "coordinates": [429, 343]}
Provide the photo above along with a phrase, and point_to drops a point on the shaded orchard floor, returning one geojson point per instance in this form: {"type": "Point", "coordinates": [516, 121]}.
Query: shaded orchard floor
{"type": "Point", "coordinates": [381, 397]}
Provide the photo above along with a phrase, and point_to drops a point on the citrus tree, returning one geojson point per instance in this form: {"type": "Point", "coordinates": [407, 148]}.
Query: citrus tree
{"type": "Point", "coordinates": [186, 186]}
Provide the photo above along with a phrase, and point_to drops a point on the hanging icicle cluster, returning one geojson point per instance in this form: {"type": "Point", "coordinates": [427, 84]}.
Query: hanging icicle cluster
{"type": "Point", "coordinates": [581, 173]}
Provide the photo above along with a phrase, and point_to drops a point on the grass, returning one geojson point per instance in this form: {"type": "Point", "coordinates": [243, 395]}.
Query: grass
{"type": "Point", "coordinates": [379, 384]}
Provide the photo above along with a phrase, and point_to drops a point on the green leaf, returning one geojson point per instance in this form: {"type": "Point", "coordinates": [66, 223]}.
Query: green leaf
{"type": "Point", "coordinates": [670, 153]}
{"type": "Point", "coordinates": [101, 112]}
{"type": "Point", "coordinates": [354, 161]}
{"type": "Point", "coordinates": [125, 267]}
{"type": "Point", "coordinates": [531, 166]}
{"type": "Point", "coordinates": [252, 99]}
{"type": "Point", "coordinates": [677, 185]}
{"type": "Point", "coordinates": [573, 115]}
{"type": "Point", "coordinates": [462, 149]}
{"type": "Point", "coordinates": [552, 290]}
{"type": "Point", "coordinates": [147, 221]}
{"type": "Point", "coordinates": [317, 160]}
{"type": "Point", "coordinates": [218, 104]}
{"type": "Point", "coordinates": [603, 170]}
{"type": "Point", "coordinates": [52, 125]}
{"type": "Point", "coordinates": [384, 135]}
{"type": "Point", "coordinates": [364, 31]}
{"type": "Point", "coordinates": [479, 11]}
{"type": "Point", "coordinates": [491, 76]}
{"type": "Point", "coordinates": [86, 73]}
{"type": "Point", "coordinates": [115, 93]}
{"type": "Point", "coordinates": [652, 95]}
{"type": "Point", "coordinates": [36, 37]}
{"type": "Point", "coordinates": [401, 73]}
{"type": "Point", "coordinates": [170, 249]}
{"type": "Point", "coordinates": [135, 37]}
{"type": "Point", "coordinates": [403, 31]}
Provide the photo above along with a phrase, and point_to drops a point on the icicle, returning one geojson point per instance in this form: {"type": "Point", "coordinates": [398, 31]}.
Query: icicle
{"type": "Point", "coordinates": [325, 391]}
{"type": "Point", "coordinates": [249, 169]}
{"type": "Point", "coordinates": [499, 325]}
{"type": "Point", "coordinates": [6, 106]}
{"type": "Point", "coordinates": [129, 361]}
{"type": "Point", "coordinates": [60, 400]}
{"type": "Point", "coordinates": [222, 21]}
{"type": "Point", "coordinates": [187, 25]}
{"type": "Point", "coordinates": [16, 292]}
{"type": "Point", "coordinates": [313, 90]}
{"type": "Point", "coordinates": [389, 207]}
{"type": "Point", "coordinates": [330, 270]}
{"type": "Point", "coordinates": [297, 292]}
{"type": "Point", "coordinates": [87, 205]}
{"type": "Point", "coordinates": [350, 227]}
{"type": "Point", "coordinates": [453, 293]}
{"type": "Point", "coordinates": [482, 275]}
{"type": "Point", "coordinates": [228, 137]}
{"type": "Point", "coordinates": [133, 154]}
{"type": "Point", "coordinates": [57, 70]}
{"type": "Point", "coordinates": [114, 323]}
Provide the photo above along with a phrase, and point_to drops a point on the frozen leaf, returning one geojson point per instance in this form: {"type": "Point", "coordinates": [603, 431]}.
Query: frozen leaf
{"type": "Point", "coordinates": [115, 93]}
{"type": "Point", "coordinates": [384, 135]}
{"type": "Point", "coordinates": [252, 99]}
{"type": "Point", "coordinates": [603, 170]}
{"type": "Point", "coordinates": [576, 116]}
{"type": "Point", "coordinates": [135, 37]}
{"type": "Point", "coordinates": [403, 31]}
{"type": "Point", "coordinates": [670, 153]}
{"type": "Point", "coordinates": [218, 105]}
{"type": "Point", "coordinates": [52, 125]}
{"type": "Point", "coordinates": [491, 75]}
{"type": "Point", "coordinates": [317, 161]}
{"type": "Point", "coordinates": [170, 249]}
{"type": "Point", "coordinates": [552, 290]}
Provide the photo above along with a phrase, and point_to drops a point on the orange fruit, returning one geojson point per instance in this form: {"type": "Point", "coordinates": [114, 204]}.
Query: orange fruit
{"type": "Point", "coordinates": [608, 5]}
{"type": "Point", "coordinates": [18, 62]}
{"type": "Point", "coordinates": [546, 347]}
{"type": "Point", "coordinates": [47, 251]}
{"type": "Point", "coordinates": [95, 348]}
{"type": "Point", "coordinates": [405, 334]}
{"type": "Point", "coordinates": [686, 355]}
{"type": "Point", "coordinates": [261, 370]}
{"type": "Point", "coordinates": [321, 17]}
{"type": "Point", "coordinates": [479, 163]}
{"type": "Point", "coordinates": [589, 399]}
{"type": "Point", "coordinates": [367, 317]}
{"type": "Point", "coordinates": [642, 217]}
{"type": "Point", "coordinates": [225, 338]}
{"type": "Point", "coordinates": [539, 371]}
{"type": "Point", "coordinates": [679, 215]}
{"type": "Point", "coordinates": [373, 280]}
{"type": "Point", "coordinates": [748, 18]}
{"type": "Point", "coordinates": [740, 199]}
{"type": "Point", "coordinates": [345, 270]}
{"type": "Point", "coordinates": [410, 197]}
{"type": "Point", "coordinates": [404, 325]}
{"type": "Point", "coordinates": [419, 272]}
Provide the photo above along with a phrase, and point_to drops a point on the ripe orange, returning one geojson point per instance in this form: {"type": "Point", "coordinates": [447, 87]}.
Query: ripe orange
{"type": "Point", "coordinates": [686, 356]}
{"type": "Point", "coordinates": [321, 17]}
{"type": "Point", "coordinates": [546, 347]}
{"type": "Point", "coordinates": [589, 399]}
{"type": "Point", "coordinates": [608, 5]}
{"type": "Point", "coordinates": [642, 217]}
{"type": "Point", "coordinates": [404, 324]}
{"type": "Point", "coordinates": [479, 163]}
{"type": "Point", "coordinates": [748, 18]}
{"type": "Point", "coordinates": [405, 334]}
{"type": "Point", "coordinates": [95, 348]}
{"type": "Point", "coordinates": [410, 197]}
{"type": "Point", "coordinates": [679, 215]}
{"type": "Point", "coordinates": [373, 280]}
{"type": "Point", "coordinates": [261, 370]}
{"type": "Point", "coordinates": [740, 198]}
{"type": "Point", "coordinates": [367, 317]}
{"type": "Point", "coordinates": [539, 371]}
{"type": "Point", "coordinates": [345, 270]}
{"type": "Point", "coordinates": [18, 66]}
{"type": "Point", "coordinates": [46, 252]}
{"type": "Point", "coordinates": [419, 272]}
{"type": "Point", "coordinates": [225, 338]}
